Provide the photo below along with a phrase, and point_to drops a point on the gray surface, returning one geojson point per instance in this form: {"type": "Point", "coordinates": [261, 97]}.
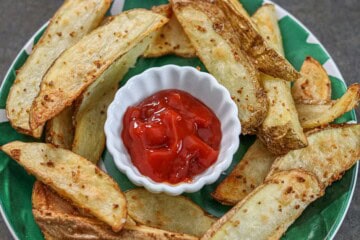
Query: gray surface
{"type": "Point", "coordinates": [335, 23]}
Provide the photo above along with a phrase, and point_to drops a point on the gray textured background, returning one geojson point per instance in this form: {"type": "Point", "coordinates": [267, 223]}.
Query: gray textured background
{"type": "Point", "coordinates": [335, 23]}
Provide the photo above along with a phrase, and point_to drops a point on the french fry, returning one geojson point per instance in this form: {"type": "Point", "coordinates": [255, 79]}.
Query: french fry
{"type": "Point", "coordinates": [84, 62]}
{"type": "Point", "coordinates": [281, 130]}
{"type": "Point", "coordinates": [314, 84]}
{"type": "Point", "coordinates": [265, 58]}
{"type": "Point", "coordinates": [70, 23]}
{"type": "Point", "coordinates": [248, 174]}
{"type": "Point", "coordinates": [270, 209]}
{"type": "Point", "coordinates": [73, 177]}
{"type": "Point", "coordinates": [330, 153]}
{"type": "Point", "coordinates": [171, 213]}
{"type": "Point", "coordinates": [212, 35]}
{"type": "Point", "coordinates": [90, 116]}
{"type": "Point", "coordinates": [347, 102]}
{"type": "Point", "coordinates": [60, 130]}
{"type": "Point", "coordinates": [170, 39]}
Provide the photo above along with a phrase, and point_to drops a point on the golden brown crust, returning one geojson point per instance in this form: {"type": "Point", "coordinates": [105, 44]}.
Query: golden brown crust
{"type": "Point", "coordinates": [265, 58]}
{"type": "Point", "coordinates": [58, 36]}
{"type": "Point", "coordinates": [58, 219]}
{"type": "Point", "coordinates": [214, 39]}
{"type": "Point", "coordinates": [84, 62]}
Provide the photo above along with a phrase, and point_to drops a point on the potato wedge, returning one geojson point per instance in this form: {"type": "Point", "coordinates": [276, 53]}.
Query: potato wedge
{"type": "Point", "coordinates": [63, 226]}
{"type": "Point", "coordinates": [314, 84]}
{"type": "Point", "coordinates": [68, 221]}
{"type": "Point", "coordinates": [89, 139]}
{"type": "Point", "coordinates": [270, 209]}
{"type": "Point", "coordinates": [247, 175]}
{"type": "Point", "coordinates": [281, 130]}
{"type": "Point", "coordinates": [212, 35]}
{"type": "Point", "coordinates": [170, 39]}
{"type": "Point", "coordinates": [171, 213]}
{"type": "Point", "coordinates": [347, 102]}
{"type": "Point", "coordinates": [264, 57]}
{"type": "Point", "coordinates": [70, 23]}
{"type": "Point", "coordinates": [60, 130]}
{"type": "Point", "coordinates": [73, 177]}
{"type": "Point", "coordinates": [84, 62]}
{"type": "Point", "coordinates": [59, 219]}
{"type": "Point", "coordinates": [330, 153]}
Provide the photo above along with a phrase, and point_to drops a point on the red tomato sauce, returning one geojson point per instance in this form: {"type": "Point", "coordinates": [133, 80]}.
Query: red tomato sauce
{"type": "Point", "coordinates": [171, 136]}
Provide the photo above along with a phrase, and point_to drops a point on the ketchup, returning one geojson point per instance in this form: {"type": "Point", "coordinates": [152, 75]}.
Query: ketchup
{"type": "Point", "coordinates": [171, 136]}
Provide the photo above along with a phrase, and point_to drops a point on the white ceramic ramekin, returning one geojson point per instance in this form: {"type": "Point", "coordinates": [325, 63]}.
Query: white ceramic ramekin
{"type": "Point", "coordinates": [201, 85]}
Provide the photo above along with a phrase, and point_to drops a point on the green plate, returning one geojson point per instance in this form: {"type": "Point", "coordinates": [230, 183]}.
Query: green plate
{"type": "Point", "coordinates": [320, 220]}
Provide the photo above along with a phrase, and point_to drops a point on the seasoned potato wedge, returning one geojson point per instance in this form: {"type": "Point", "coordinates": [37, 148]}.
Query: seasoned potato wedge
{"type": "Point", "coordinates": [270, 209]}
{"type": "Point", "coordinates": [70, 23]}
{"type": "Point", "coordinates": [265, 58]}
{"type": "Point", "coordinates": [246, 176]}
{"type": "Point", "coordinates": [172, 213]}
{"type": "Point", "coordinates": [212, 35]}
{"type": "Point", "coordinates": [73, 177]}
{"type": "Point", "coordinates": [84, 62]}
{"type": "Point", "coordinates": [281, 130]}
{"type": "Point", "coordinates": [330, 153]}
{"type": "Point", "coordinates": [170, 39]}
{"type": "Point", "coordinates": [314, 84]}
{"type": "Point", "coordinates": [63, 226]}
{"type": "Point", "coordinates": [61, 220]}
{"type": "Point", "coordinates": [60, 130]}
{"type": "Point", "coordinates": [89, 139]}
{"type": "Point", "coordinates": [347, 102]}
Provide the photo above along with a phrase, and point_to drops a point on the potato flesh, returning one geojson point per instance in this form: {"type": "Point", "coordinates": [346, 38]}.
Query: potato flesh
{"type": "Point", "coordinates": [248, 174]}
{"type": "Point", "coordinates": [70, 23]}
{"type": "Point", "coordinates": [73, 177]}
{"type": "Point", "coordinates": [211, 35]}
{"type": "Point", "coordinates": [84, 62]}
{"type": "Point", "coordinates": [170, 39]}
{"type": "Point", "coordinates": [172, 213]}
{"type": "Point", "coordinates": [270, 209]}
{"type": "Point", "coordinates": [330, 153]}
{"type": "Point", "coordinates": [281, 130]}
{"type": "Point", "coordinates": [89, 139]}
{"type": "Point", "coordinates": [314, 84]}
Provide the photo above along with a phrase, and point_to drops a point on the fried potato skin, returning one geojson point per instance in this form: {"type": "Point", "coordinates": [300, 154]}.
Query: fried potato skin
{"type": "Point", "coordinates": [60, 130]}
{"type": "Point", "coordinates": [248, 174]}
{"type": "Point", "coordinates": [347, 102]}
{"type": "Point", "coordinates": [170, 39]}
{"type": "Point", "coordinates": [270, 209]}
{"type": "Point", "coordinates": [70, 23]}
{"type": "Point", "coordinates": [265, 58]}
{"type": "Point", "coordinates": [73, 177]}
{"type": "Point", "coordinates": [212, 35]}
{"type": "Point", "coordinates": [314, 84]}
{"type": "Point", "coordinates": [91, 107]}
{"type": "Point", "coordinates": [84, 62]}
{"type": "Point", "coordinates": [330, 153]}
{"type": "Point", "coordinates": [171, 213]}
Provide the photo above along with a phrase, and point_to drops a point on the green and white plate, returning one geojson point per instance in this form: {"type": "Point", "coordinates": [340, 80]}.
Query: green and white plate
{"type": "Point", "coordinates": [320, 220]}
